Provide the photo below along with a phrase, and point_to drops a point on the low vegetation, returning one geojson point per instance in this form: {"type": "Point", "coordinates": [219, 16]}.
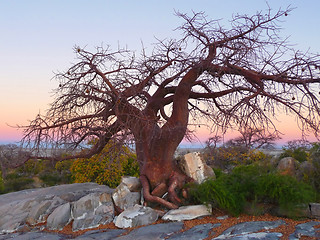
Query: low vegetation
{"type": "Point", "coordinates": [246, 181]}
{"type": "Point", "coordinates": [306, 152]}
{"type": "Point", "coordinates": [105, 168]}
{"type": "Point", "coordinates": [36, 173]}
{"type": "Point", "coordinates": [247, 187]}
{"type": "Point", "coordinates": [226, 157]}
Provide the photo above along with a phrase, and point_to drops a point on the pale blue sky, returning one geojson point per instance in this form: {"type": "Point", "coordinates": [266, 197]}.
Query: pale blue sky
{"type": "Point", "coordinates": [37, 37]}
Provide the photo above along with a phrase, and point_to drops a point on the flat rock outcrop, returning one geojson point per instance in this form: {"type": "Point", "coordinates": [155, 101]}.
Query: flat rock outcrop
{"type": "Point", "coordinates": [253, 230]}
{"type": "Point", "coordinates": [136, 216]}
{"type": "Point", "coordinates": [175, 231]}
{"type": "Point", "coordinates": [187, 213]}
{"type": "Point", "coordinates": [89, 205]}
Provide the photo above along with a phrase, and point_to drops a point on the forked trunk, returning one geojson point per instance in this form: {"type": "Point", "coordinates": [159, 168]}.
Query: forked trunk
{"type": "Point", "coordinates": [156, 146]}
{"type": "Point", "coordinates": [159, 173]}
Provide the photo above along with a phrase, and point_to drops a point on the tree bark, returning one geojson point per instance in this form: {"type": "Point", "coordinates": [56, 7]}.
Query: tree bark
{"type": "Point", "coordinates": [159, 173]}
{"type": "Point", "coordinates": [156, 146]}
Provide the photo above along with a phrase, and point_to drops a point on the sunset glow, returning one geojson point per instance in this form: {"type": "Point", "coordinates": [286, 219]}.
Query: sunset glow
{"type": "Point", "coordinates": [38, 37]}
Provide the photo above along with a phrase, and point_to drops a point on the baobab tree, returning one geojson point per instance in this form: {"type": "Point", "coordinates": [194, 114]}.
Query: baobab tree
{"type": "Point", "coordinates": [241, 76]}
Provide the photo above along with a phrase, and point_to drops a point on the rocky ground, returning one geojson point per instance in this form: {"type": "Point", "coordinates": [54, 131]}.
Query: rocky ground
{"type": "Point", "coordinates": [216, 226]}
{"type": "Point", "coordinates": [88, 211]}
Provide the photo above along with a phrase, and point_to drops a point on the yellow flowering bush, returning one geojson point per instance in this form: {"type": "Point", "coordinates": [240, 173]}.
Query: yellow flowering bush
{"type": "Point", "coordinates": [63, 166]}
{"type": "Point", "coordinates": [233, 156]}
{"type": "Point", "coordinates": [106, 167]}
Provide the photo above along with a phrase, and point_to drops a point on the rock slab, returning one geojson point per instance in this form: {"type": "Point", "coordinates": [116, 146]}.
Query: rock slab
{"type": "Point", "coordinates": [198, 232]}
{"type": "Point", "coordinates": [34, 206]}
{"type": "Point", "coordinates": [60, 217]}
{"type": "Point", "coordinates": [315, 210]}
{"type": "Point", "coordinates": [195, 167]}
{"type": "Point", "coordinates": [306, 230]}
{"type": "Point", "coordinates": [187, 213]}
{"type": "Point", "coordinates": [153, 232]}
{"type": "Point", "coordinates": [127, 193]}
{"type": "Point", "coordinates": [92, 210]}
{"type": "Point", "coordinates": [136, 216]}
{"type": "Point", "coordinates": [252, 228]}
{"type": "Point", "coordinates": [109, 234]}
{"type": "Point", "coordinates": [174, 231]}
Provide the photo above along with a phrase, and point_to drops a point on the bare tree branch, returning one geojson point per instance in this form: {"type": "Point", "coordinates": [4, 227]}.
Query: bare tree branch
{"type": "Point", "coordinates": [237, 78]}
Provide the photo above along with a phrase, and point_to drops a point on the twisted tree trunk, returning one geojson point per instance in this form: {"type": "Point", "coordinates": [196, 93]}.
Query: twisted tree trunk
{"type": "Point", "coordinates": [156, 146]}
{"type": "Point", "coordinates": [159, 173]}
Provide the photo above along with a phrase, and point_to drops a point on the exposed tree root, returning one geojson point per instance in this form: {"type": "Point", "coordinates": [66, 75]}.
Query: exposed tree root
{"type": "Point", "coordinates": [151, 198]}
{"type": "Point", "coordinates": [176, 182]}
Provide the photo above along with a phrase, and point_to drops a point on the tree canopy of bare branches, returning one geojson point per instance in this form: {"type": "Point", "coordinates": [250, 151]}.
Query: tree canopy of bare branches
{"type": "Point", "coordinates": [240, 76]}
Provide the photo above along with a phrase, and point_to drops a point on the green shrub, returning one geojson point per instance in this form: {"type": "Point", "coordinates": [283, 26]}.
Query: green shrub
{"type": "Point", "coordinates": [1, 184]}
{"type": "Point", "coordinates": [49, 172]}
{"type": "Point", "coordinates": [31, 168]}
{"type": "Point", "coordinates": [54, 178]}
{"type": "Point", "coordinates": [315, 159]}
{"type": "Point", "coordinates": [229, 191]}
{"type": "Point", "coordinates": [299, 153]}
{"type": "Point", "coordinates": [284, 191]}
{"type": "Point", "coordinates": [14, 182]}
{"type": "Point", "coordinates": [64, 166]}
{"type": "Point", "coordinates": [216, 193]}
{"type": "Point", "coordinates": [218, 172]}
{"type": "Point", "coordinates": [253, 185]}
{"type": "Point", "coordinates": [315, 151]}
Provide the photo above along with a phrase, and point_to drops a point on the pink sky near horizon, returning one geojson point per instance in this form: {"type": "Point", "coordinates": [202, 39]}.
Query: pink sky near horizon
{"type": "Point", "coordinates": [286, 125]}
{"type": "Point", "coordinates": [37, 38]}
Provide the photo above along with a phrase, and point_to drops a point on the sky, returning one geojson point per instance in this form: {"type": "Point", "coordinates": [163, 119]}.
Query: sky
{"type": "Point", "coordinates": [37, 40]}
